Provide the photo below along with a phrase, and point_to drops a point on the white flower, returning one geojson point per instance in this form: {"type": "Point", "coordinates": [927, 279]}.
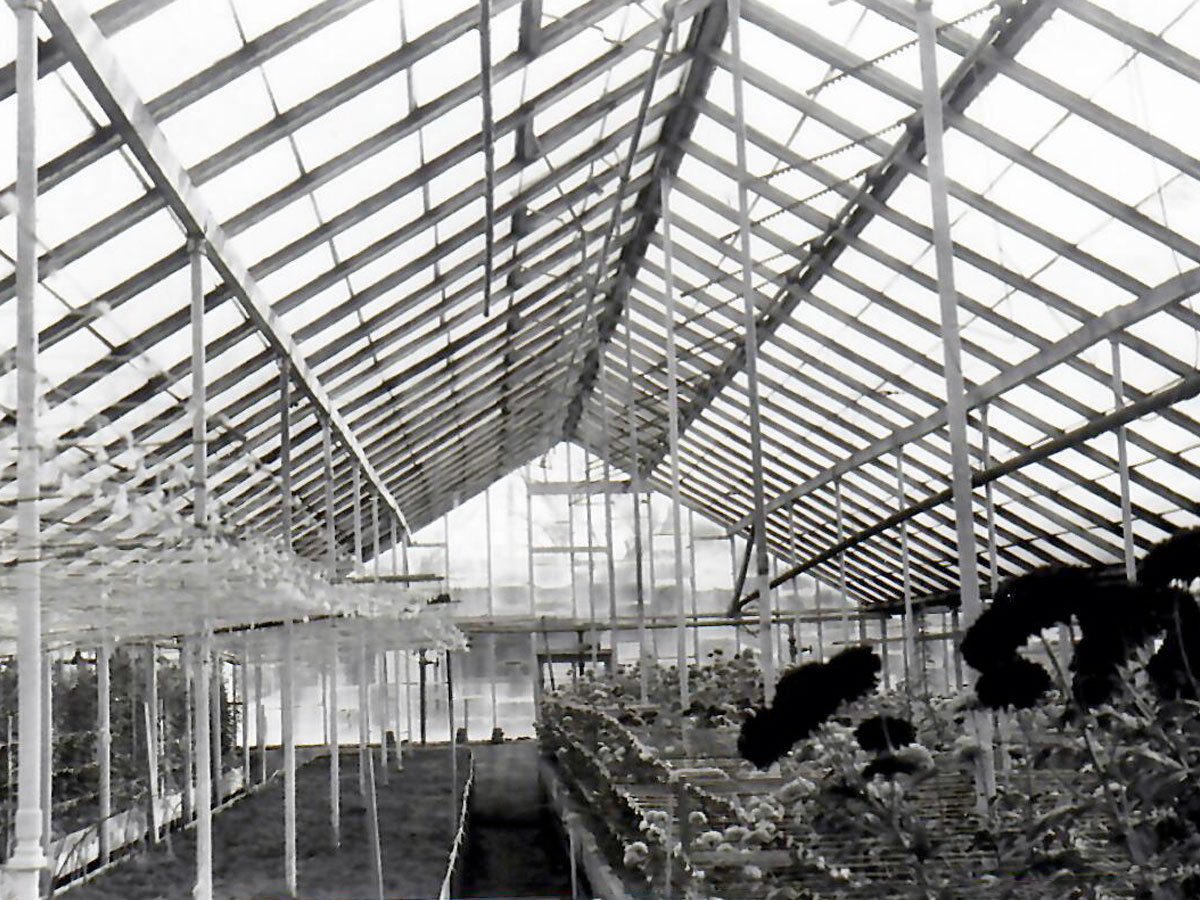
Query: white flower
{"type": "Point", "coordinates": [636, 854]}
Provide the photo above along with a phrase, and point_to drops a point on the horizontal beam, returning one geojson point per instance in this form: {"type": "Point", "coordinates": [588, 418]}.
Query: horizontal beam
{"type": "Point", "coordinates": [554, 488]}
{"type": "Point", "coordinates": [101, 71]}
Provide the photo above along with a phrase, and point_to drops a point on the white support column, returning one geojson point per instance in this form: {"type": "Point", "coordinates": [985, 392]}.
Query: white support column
{"type": "Point", "coordinates": [1118, 384]}
{"type": "Point", "coordinates": [761, 558]}
{"type": "Point", "coordinates": [797, 605]}
{"type": "Point", "coordinates": [188, 671]}
{"type": "Point", "coordinates": [491, 605]}
{"type": "Point", "coordinates": [911, 665]}
{"type": "Point", "coordinates": [335, 774]}
{"type": "Point", "coordinates": [215, 731]}
{"type": "Point", "coordinates": [356, 486]}
{"type": "Point", "coordinates": [28, 857]}
{"type": "Point", "coordinates": [153, 748]}
{"type": "Point", "coordinates": [245, 670]}
{"type": "Point", "coordinates": [610, 559]}
{"type": "Point", "coordinates": [841, 537]}
{"type": "Point", "coordinates": [673, 446]}
{"type": "Point", "coordinates": [636, 487]}
{"type": "Point", "coordinates": [651, 577]}
{"type": "Point", "coordinates": [104, 743]}
{"type": "Point", "coordinates": [287, 730]}
{"type": "Point", "coordinates": [201, 659]}
{"type": "Point", "coordinates": [195, 249]}
{"type": "Point", "coordinates": [408, 717]}
{"type": "Point", "coordinates": [570, 495]}
{"type": "Point", "coordinates": [591, 562]}
{"type": "Point", "coordinates": [692, 583]}
{"type": "Point", "coordinates": [47, 762]}
{"type": "Point", "coordinates": [989, 498]}
{"type": "Point", "coordinates": [367, 778]}
{"type": "Point", "coordinates": [260, 717]}
{"type": "Point", "coordinates": [535, 669]}
{"type": "Point", "coordinates": [379, 659]}
{"type": "Point", "coordinates": [964, 517]}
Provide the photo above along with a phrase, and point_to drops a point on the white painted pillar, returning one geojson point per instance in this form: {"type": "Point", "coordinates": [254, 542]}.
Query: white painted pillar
{"type": "Point", "coordinates": [911, 664]}
{"type": "Point", "coordinates": [367, 779]}
{"type": "Point", "coordinates": [215, 730]}
{"type": "Point", "coordinates": [673, 444]}
{"type": "Point", "coordinates": [692, 584]}
{"type": "Point", "coordinates": [761, 559]}
{"type": "Point", "coordinates": [260, 717]}
{"type": "Point", "coordinates": [47, 760]}
{"type": "Point", "coordinates": [201, 659]}
{"type": "Point", "coordinates": [610, 559]}
{"type": "Point", "coordinates": [335, 775]}
{"type": "Point", "coordinates": [591, 563]}
{"type": "Point", "coordinates": [491, 604]}
{"type": "Point", "coordinates": [1118, 385]}
{"type": "Point", "coordinates": [28, 857]}
{"type": "Point", "coordinates": [956, 414]}
{"type": "Point", "coordinates": [104, 743]}
{"type": "Point", "coordinates": [335, 754]}
{"type": "Point", "coordinates": [154, 731]}
{"type": "Point", "coordinates": [288, 737]}
{"type": "Point", "coordinates": [245, 696]}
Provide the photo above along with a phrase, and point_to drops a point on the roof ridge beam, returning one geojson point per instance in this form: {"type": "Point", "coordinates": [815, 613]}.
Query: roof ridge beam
{"type": "Point", "coordinates": [1008, 31]}
{"type": "Point", "coordinates": [706, 34]}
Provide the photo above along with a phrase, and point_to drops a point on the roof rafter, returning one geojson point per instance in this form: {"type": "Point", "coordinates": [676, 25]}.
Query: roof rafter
{"type": "Point", "coordinates": [94, 61]}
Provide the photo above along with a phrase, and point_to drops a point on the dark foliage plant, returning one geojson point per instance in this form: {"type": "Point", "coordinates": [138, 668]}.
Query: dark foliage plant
{"type": "Point", "coordinates": [884, 733]}
{"type": "Point", "coordinates": [1114, 619]}
{"type": "Point", "coordinates": [805, 697]}
{"type": "Point", "coordinates": [1175, 559]}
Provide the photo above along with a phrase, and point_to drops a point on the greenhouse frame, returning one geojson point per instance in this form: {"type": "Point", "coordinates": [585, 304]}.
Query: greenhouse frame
{"type": "Point", "coordinates": [873, 323]}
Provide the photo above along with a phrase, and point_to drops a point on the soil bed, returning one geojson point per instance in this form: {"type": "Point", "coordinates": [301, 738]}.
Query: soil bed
{"type": "Point", "coordinates": [414, 825]}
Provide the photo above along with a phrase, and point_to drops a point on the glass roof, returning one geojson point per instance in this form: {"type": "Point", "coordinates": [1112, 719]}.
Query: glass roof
{"type": "Point", "coordinates": [340, 146]}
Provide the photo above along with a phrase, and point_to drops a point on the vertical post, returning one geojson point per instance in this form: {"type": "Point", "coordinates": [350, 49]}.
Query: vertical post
{"type": "Point", "coordinates": [195, 249]}
{"type": "Point", "coordinates": [535, 669]}
{"type": "Point", "coordinates": [964, 518]}
{"type": "Point", "coordinates": [491, 602]}
{"type": "Point", "coordinates": [367, 776]}
{"type": "Point", "coordinates": [47, 785]}
{"type": "Point", "coordinates": [1123, 465]}
{"type": "Point", "coordinates": [733, 575]}
{"type": "Point", "coordinates": [288, 737]}
{"type": "Point", "coordinates": [245, 670]}
{"type": "Point", "coordinates": [989, 497]}
{"type": "Point", "coordinates": [189, 700]}
{"type": "Point", "coordinates": [335, 775]}
{"type": "Point", "coordinates": [285, 451]}
{"type": "Point", "coordinates": [636, 486]}
{"type": "Point", "coordinates": [591, 561]}
{"type": "Point", "coordinates": [104, 743]}
{"type": "Point", "coordinates": [260, 717]}
{"type": "Point", "coordinates": [797, 605]}
{"type": "Point", "coordinates": [571, 536]}
{"type": "Point", "coordinates": [215, 731]}
{"type": "Point", "coordinates": [652, 576]}
{"type": "Point", "coordinates": [408, 717]}
{"type": "Point", "coordinates": [910, 641]}
{"type": "Point", "coordinates": [610, 560]}
{"type": "Point", "coordinates": [841, 537]}
{"type": "Point", "coordinates": [153, 734]}
{"type": "Point", "coordinates": [692, 584]}
{"type": "Point", "coordinates": [422, 663]}
{"type": "Point", "coordinates": [201, 659]}
{"type": "Point", "coordinates": [28, 858]}
{"type": "Point", "coordinates": [673, 444]}
{"type": "Point", "coordinates": [759, 518]}
{"type": "Point", "coordinates": [382, 660]}
{"type": "Point", "coordinates": [356, 486]}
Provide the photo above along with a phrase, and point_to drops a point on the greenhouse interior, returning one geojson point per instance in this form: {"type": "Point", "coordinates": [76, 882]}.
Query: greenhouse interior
{"type": "Point", "coordinates": [673, 449]}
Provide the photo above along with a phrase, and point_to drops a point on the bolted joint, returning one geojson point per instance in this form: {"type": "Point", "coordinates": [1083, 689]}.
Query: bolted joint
{"type": "Point", "coordinates": [195, 242]}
